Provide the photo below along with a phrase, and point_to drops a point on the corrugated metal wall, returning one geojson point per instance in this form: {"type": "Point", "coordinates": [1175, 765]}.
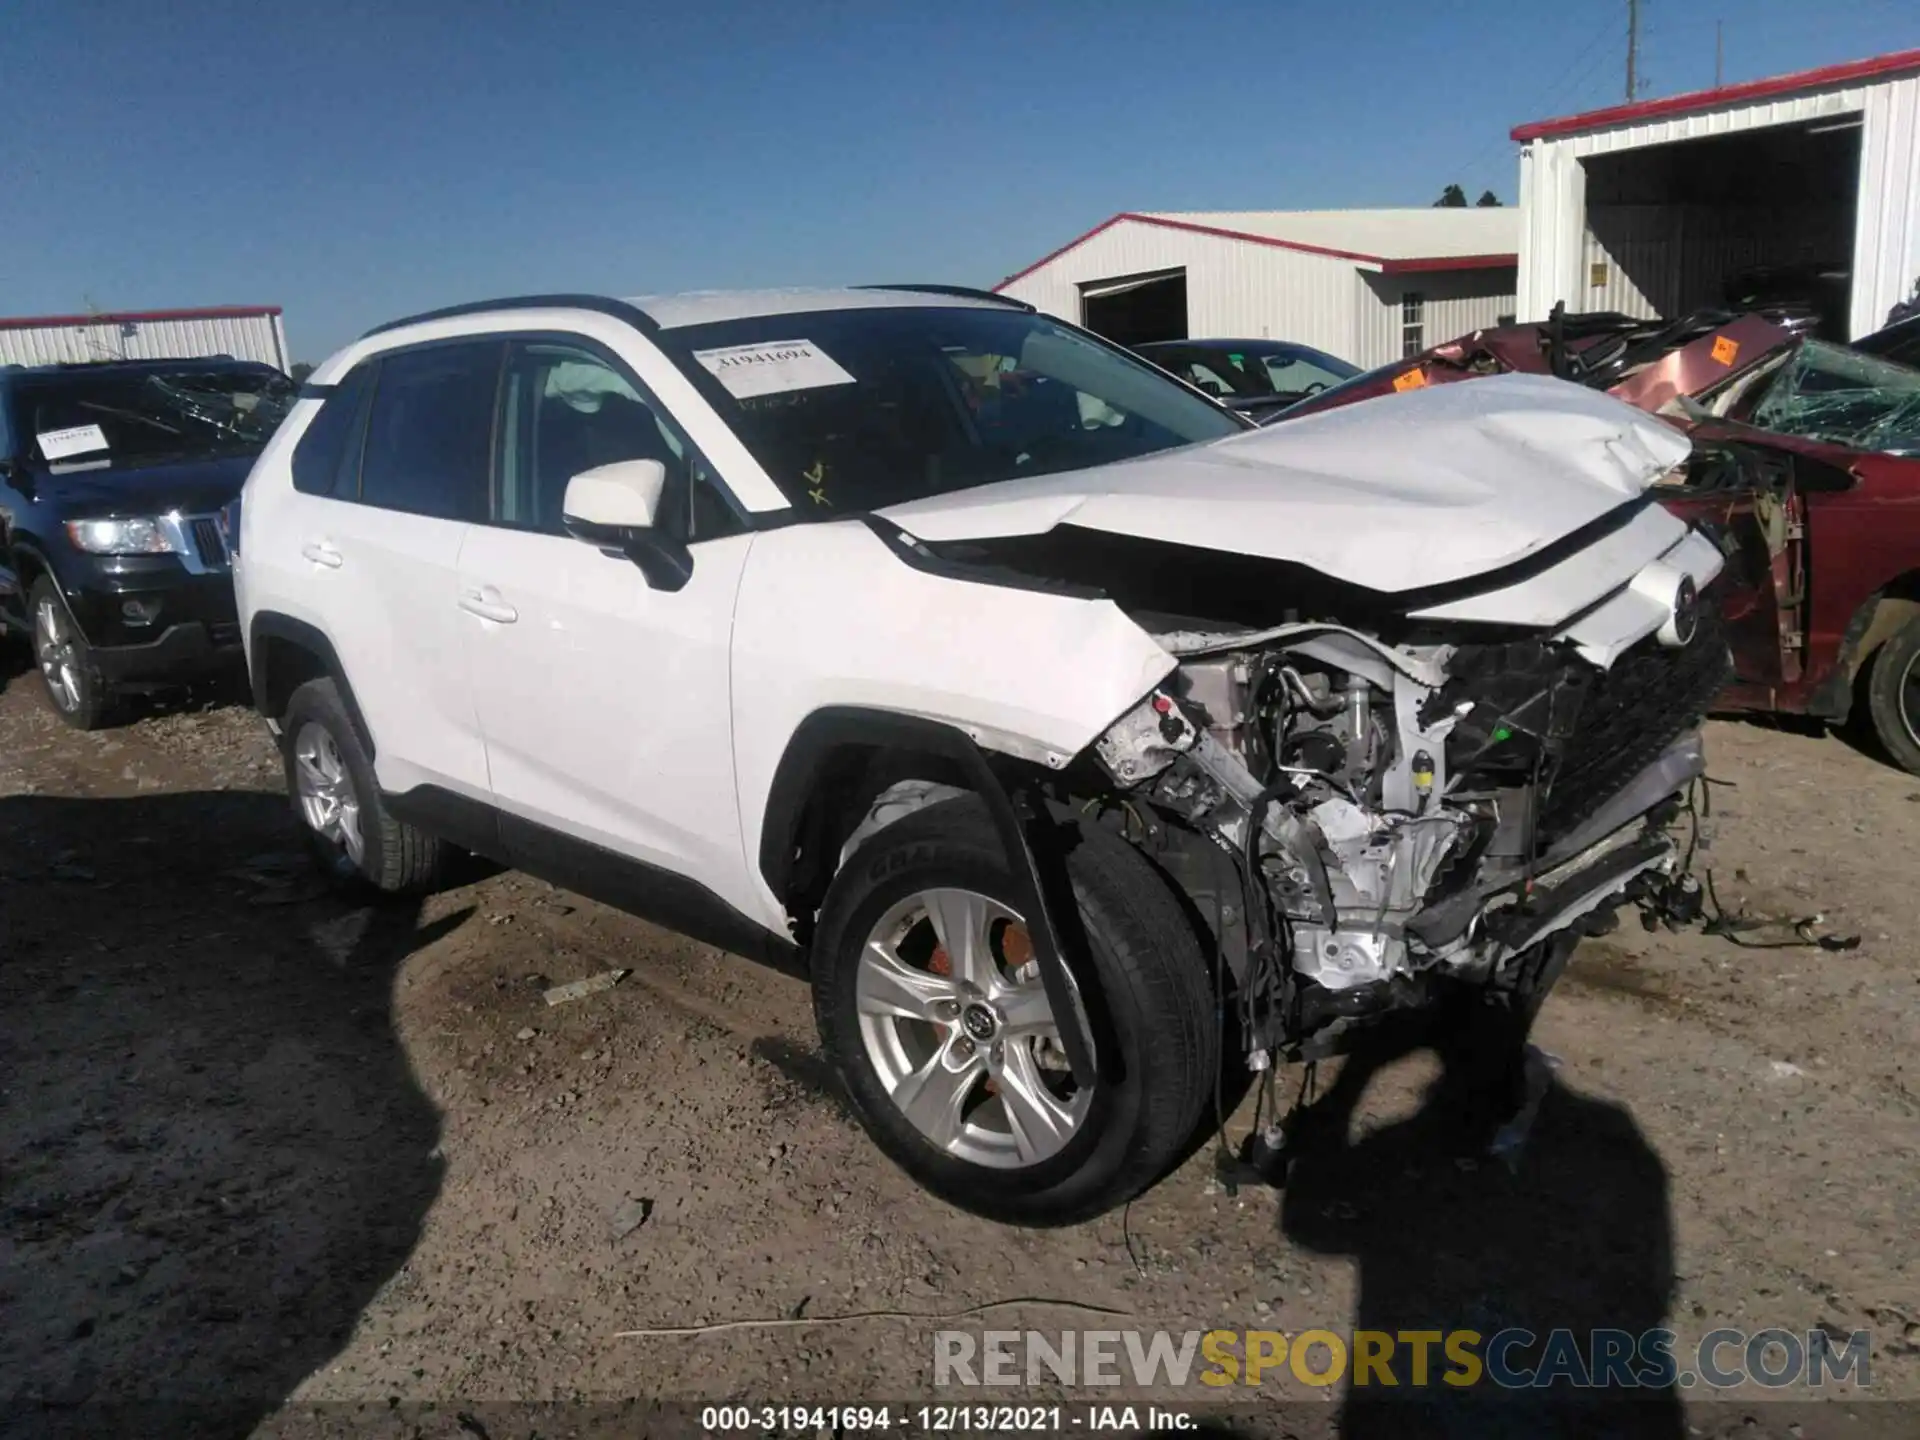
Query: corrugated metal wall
{"type": "Point", "coordinates": [245, 337]}
{"type": "Point", "coordinates": [1237, 289]}
{"type": "Point", "coordinates": [1557, 242]}
{"type": "Point", "coordinates": [1669, 259]}
{"type": "Point", "coordinates": [1886, 232]}
{"type": "Point", "coordinates": [1453, 303]}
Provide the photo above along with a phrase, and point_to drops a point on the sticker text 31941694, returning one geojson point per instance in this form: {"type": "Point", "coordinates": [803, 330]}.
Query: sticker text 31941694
{"type": "Point", "coordinates": [771, 367]}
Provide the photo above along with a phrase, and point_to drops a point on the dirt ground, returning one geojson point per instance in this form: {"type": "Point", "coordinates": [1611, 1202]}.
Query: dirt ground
{"type": "Point", "coordinates": [326, 1164]}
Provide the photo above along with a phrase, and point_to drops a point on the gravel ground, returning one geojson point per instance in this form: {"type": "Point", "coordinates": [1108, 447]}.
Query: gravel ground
{"type": "Point", "coordinates": [337, 1167]}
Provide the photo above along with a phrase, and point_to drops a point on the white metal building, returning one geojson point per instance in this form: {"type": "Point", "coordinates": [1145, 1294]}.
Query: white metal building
{"type": "Point", "coordinates": [246, 332]}
{"type": "Point", "coordinates": [1366, 285]}
{"type": "Point", "coordinates": [1650, 208]}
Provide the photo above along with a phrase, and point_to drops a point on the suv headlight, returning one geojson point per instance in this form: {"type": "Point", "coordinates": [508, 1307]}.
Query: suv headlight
{"type": "Point", "coordinates": [124, 537]}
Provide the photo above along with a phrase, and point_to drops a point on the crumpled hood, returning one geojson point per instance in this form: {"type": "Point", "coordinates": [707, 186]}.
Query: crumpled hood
{"type": "Point", "coordinates": [1398, 493]}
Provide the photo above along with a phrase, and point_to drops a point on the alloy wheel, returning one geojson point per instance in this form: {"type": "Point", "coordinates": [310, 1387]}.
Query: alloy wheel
{"type": "Point", "coordinates": [54, 646]}
{"type": "Point", "coordinates": [327, 798]}
{"type": "Point", "coordinates": [957, 1026]}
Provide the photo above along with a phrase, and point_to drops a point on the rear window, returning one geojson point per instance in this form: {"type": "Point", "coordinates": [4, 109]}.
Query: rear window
{"type": "Point", "coordinates": [327, 459]}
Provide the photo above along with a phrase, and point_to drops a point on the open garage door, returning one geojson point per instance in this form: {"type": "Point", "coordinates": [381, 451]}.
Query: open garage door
{"type": "Point", "coordinates": [1137, 309]}
{"type": "Point", "coordinates": [1758, 217]}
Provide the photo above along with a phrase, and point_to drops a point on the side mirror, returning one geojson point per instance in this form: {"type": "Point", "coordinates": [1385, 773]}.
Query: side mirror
{"type": "Point", "coordinates": [616, 508]}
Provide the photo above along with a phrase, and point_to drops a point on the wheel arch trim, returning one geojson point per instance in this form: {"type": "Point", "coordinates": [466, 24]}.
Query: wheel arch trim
{"type": "Point", "coordinates": [1020, 820]}
{"type": "Point", "coordinates": [272, 625]}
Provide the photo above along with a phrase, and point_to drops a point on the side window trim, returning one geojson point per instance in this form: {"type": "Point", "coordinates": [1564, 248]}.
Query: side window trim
{"type": "Point", "coordinates": [356, 447]}
{"type": "Point", "coordinates": [517, 341]}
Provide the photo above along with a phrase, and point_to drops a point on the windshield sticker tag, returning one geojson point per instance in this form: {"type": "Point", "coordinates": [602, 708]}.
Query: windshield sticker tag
{"type": "Point", "coordinates": [769, 369]}
{"type": "Point", "coordinates": [1724, 349]}
{"type": "Point", "coordinates": [1412, 380]}
{"type": "Point", "coordinates": [74, 440]}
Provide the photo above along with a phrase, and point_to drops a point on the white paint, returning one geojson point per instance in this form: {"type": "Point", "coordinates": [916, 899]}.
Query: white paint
{"type": "Point", "coordinates": [772, 367]}
{"type": "Point", "coordinates": [827, 616]}
{"type": "Point", "coordinates": [625, 493]}
{"type": "Point", "coordinates": [1556, 241]}
{"type": "Point", "coordinates": [603, 709]}
{"type": "Point", "coordinates": [74, 440]}
{"type": "Point", "coordinates": [1399, 493]}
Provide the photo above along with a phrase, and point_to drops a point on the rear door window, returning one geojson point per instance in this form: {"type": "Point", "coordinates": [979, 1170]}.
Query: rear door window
{"type": "Point", "coordinates": [430, 432]}
{"type": "Point", "coordinates": [326, 461]}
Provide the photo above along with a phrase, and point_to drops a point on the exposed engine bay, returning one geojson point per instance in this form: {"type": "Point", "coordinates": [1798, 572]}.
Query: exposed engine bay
{"type": "Point", "coordinates": [1400, 814]}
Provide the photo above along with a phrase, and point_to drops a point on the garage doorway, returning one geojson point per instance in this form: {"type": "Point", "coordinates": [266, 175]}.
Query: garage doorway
{"type": "Point", "coordinates": [1137, 309]}
{"type": "Point", "coordinates": [1763, 216]}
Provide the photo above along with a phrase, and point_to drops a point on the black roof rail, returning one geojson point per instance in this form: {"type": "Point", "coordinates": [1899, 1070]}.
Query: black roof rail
{"type": "Point", "coordinates": [964, 292]}
{"type": "Point", "coordinates": [606, 305]}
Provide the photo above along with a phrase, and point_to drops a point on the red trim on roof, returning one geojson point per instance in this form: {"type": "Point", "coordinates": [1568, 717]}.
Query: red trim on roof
{"type": "Point", "coordinates": [1826, 75]}
{"type": "Point", "coordinates": [137, 317]}
{"type": "Point", "coordinates": [1448, 262]}
{"type": "Point", "coordinates": [1436, 262]}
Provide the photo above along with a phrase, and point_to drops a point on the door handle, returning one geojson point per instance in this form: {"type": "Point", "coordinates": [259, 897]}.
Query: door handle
{"type": "Point", "coordinates": [485, 602]}
{"type": "Point", "coordinates": [321, 552]}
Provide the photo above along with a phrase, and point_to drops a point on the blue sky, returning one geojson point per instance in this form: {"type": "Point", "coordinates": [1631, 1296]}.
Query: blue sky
{"type": "Point", "coordinates": [354, 162]}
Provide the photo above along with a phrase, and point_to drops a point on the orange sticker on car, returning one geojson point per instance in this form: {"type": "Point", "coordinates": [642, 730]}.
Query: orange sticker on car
{"type": "Point", "coordinates": [1724, 349]}
{"type": "Point", "coordinates": [1412, 380]}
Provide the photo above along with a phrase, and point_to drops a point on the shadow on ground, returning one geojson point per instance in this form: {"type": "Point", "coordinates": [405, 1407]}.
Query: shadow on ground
{"type": "Point", "coordinates": [216, 1153]}
{"type": "Point", "coordinates": [1578, 1237]}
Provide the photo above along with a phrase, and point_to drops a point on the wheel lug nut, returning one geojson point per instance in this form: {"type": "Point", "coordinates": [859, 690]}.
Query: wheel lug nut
{"type": "Point", "coordinates": [949, 1008]}
{"type": "Point", "coordinates": [963, 1046]}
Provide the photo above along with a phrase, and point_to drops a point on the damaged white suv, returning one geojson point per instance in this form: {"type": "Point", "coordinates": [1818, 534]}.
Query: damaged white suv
{"type": "Point", "coordinates": [1072, 737]}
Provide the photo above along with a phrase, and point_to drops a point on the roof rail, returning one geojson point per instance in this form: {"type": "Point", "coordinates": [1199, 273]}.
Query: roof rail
{"type": "Point", "coordinates": [964, 292]}
{"type": "Point", "coordinates": [619, 309]}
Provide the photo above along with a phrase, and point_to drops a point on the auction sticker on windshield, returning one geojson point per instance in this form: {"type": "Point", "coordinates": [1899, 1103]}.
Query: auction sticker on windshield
{"type": "Point", "coordinates": [74, 440]}
{"type": "Point", "coordinates": [771, 367]}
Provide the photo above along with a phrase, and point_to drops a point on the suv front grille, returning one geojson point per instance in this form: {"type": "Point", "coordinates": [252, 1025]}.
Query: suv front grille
{"type": "Point", "coordinates": [1652, 695]}
{"type": "Point", "coordinates": [207, 541]}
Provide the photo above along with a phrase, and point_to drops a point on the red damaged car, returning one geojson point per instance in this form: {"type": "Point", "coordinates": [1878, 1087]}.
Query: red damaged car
{"type": "Point", "coordinates": [1806, 467]}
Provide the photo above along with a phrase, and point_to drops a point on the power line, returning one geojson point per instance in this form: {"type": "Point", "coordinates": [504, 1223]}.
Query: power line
{"type": "Point", "coordinates": [1583, 65]}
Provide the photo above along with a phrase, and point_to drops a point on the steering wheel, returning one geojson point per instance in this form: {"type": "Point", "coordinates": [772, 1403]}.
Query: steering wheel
{"type": "Point", "coordinates": [1314, 387]}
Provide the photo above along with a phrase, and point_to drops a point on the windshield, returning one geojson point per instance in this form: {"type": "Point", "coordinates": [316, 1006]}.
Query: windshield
{"type": "Point", "coordinates": [124, 418]}
{"type": "Point", "coordinates": [851, 410]}
{"type": "Point", "coordinates": [1251, 371]}
{"type": "Point", "coordinates": [1828, 392]}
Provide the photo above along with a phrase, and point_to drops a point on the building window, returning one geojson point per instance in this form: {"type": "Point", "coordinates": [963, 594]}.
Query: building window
{"type": "Point", "coordinates": [1413, 323]}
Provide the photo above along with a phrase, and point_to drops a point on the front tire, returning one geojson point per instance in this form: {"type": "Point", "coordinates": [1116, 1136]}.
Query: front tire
{"type": "Point", "coordinates": [75, 688]}
{"type": "Point", "coordinates": [1893, 697]}
{"type": "Point", "coordinates": [931, 1011]}
{"type": "Point", "coordinates": [336, 798]}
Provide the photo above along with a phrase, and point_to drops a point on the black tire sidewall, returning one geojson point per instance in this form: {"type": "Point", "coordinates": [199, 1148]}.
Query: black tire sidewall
{"type": "Point", "coordinates": [318, 703]}
{"type": "Point", "coordinates": [954, 846]}
{"type": "Point", "coordinates": [1890, 668]}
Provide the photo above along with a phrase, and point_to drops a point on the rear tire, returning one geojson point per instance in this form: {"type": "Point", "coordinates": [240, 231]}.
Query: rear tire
{"type": "Point", "coordinates": [75, 688]}
{"type": "Point", "coordinates": [1143, 983]}
{"type": "Point", "coordinates": [1893, 697]}
{"type": "Point", "coordinates": [337, 802]}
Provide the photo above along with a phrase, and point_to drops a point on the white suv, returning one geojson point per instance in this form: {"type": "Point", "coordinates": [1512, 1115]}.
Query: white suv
{"type": "Point", "coordinates": [1073, 738]}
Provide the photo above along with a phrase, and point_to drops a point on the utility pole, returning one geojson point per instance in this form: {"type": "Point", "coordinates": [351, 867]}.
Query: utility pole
{"type": "Point", "coordinates": [1719, 53]}
{"type": "Point", "coordinates": [1633, 47]}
